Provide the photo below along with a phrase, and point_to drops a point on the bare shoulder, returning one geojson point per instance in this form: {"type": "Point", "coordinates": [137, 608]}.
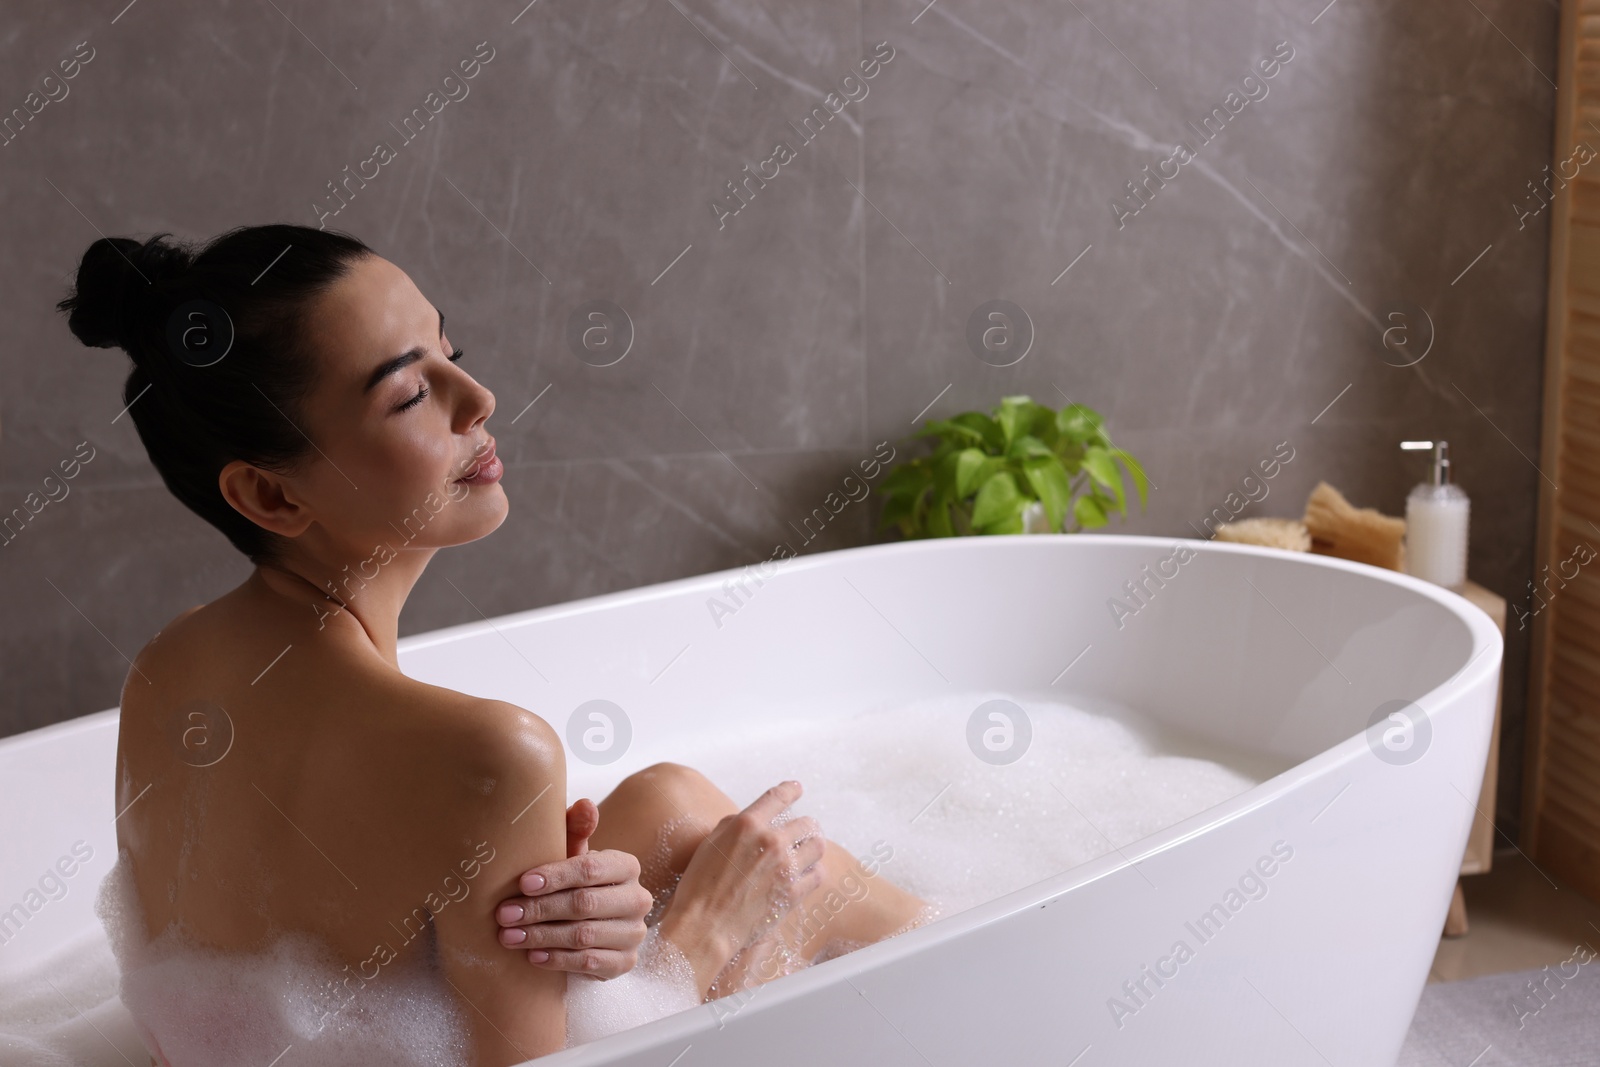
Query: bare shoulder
{"type": "Point", "coordinates": [471, 753]}
{"type": "Point", "coordinates": [170, 655]}
{"type": "Point", "coordinates": [495, 724]}
{"type": "Point", "coordinates": [516, 749]}
{"type": "Point", "coordinates": [172, 633]}
{"type": "Point", "coordinates": [492, 729]}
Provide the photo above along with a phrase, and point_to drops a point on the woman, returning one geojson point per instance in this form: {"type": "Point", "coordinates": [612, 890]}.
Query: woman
{"type": "Point", "coordinates": [298, 392]}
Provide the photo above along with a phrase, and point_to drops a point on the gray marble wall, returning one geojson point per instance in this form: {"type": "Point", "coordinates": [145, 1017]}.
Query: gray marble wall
{"type": "Point", "coordinates": [1238, 304]}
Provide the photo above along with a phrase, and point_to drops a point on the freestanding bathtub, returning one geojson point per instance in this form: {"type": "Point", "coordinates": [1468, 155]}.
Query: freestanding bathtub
{"type": "Point", "coordinates": [1294, 657]}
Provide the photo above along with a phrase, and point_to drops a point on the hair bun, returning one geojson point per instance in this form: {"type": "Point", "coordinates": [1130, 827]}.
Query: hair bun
{"type": "Point", "coordinates": [116, 280]}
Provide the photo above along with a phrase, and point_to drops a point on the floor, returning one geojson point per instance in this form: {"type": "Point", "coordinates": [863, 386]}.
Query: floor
{"type": "Point", "coordinates": [1517, 920]}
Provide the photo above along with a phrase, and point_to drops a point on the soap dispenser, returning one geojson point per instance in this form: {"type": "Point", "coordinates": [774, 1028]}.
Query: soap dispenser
{"type": "Point", "coordinates": [1436, 523]}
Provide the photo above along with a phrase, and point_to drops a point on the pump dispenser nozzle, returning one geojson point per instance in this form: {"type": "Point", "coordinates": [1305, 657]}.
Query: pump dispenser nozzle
{"type": "Point", "coordinates": [1441, 458]}
{"type": "Point", "coordinates": [1436, 522]}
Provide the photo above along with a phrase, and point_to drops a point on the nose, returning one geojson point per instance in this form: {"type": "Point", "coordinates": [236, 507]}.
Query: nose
{"type": "Point", "coordinates": [477, 404]}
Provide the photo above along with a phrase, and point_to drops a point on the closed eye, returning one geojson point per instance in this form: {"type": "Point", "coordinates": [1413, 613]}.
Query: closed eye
{"type": "Point", "coordinates": [422, 394]}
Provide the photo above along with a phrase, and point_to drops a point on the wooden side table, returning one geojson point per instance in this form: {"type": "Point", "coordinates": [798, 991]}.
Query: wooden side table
{"type": "Point", "coordinates": [1480, 840]}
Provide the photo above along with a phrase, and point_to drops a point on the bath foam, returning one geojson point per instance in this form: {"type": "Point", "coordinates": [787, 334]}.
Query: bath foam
{"type": "Point", "coordinates": [899, 780]}
{"type": "Point", "coordinates": [964, 831]}
{"type": "Point", "coordinates": [65, 1012]}
{"type": "Point", "coordinates": [198, 1007]}
{"type": "Point", "coordinates": [660, 984]}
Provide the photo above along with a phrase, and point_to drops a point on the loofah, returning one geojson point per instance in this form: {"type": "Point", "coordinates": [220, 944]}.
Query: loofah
{"type": "Point", "coordinates": [1273, 533]}
{"type": "Point", "coordinates": [1365, 535]}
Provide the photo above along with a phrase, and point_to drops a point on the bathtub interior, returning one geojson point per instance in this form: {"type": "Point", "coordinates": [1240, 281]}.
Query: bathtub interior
{"type": "Point", "coordinates": [1257, 657]}
{"type": "Point", "coordinates": [1268, 655]}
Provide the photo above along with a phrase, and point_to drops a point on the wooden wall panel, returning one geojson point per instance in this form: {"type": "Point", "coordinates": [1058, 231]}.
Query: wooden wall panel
{"type": "Point", "coordinates": [1561, 797]}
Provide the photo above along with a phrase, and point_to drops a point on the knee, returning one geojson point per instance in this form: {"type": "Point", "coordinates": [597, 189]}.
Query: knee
{"type": "Point", "coordinates": [678, 785]}
{"type": "Point", "coordinates": [668, 772]}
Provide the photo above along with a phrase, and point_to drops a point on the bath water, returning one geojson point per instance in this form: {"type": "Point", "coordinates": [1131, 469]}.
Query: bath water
{"type": "Point", "coordinates": [898, 784]}
{"type": "Point", "coordinates": [900, 780]}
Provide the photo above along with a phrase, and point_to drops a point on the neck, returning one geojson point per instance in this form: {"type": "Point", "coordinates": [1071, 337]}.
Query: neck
{"type": "Point", "coordinates": [370, 591]}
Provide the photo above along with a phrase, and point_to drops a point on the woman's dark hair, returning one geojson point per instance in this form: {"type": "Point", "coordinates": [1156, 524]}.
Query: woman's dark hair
{"type": "Point", "coordinates": [221, 357]}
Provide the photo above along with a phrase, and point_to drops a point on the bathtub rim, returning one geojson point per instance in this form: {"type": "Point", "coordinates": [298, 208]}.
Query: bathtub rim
{"type": "Point", "coordinates": [1477, 620]}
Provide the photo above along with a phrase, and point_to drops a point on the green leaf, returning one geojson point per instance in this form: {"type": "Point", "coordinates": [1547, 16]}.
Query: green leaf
{"type": "Point", "coordinates": [898, 510]}
{"type": "Point", "coordinates": [998, 500]}
{"type": "Point", "coordinates": [948, 428]}
{"type": "Point", "coordinates": [1079, 423]}
{"type": "Point", "coordinates": [986, 430]}
{"type": "Point", "coordinates": [906, 478]}
{"type": "Point", "coordinates": [939, 520]}
{"type": "Point", "coordinates": [1028, 445]}
{"type": "Point", "coordinates": [944, 478]}
{"type": "Point", "coordinates": [992, 465]}
{"type": "Point", "coordinates": [1054, 489]}
{"type": "Point", "coordinates": [1098, 462]}
{"type": "Point", "coordinates": [969, 462]}
{"type": "Point", "coordinates": [919, 515]}
{"type": "Point", "coordinates": [1140, 482]}
{"type": "Point", "coordinates": [1019, 416]}
{"type": "Point", "coordinates": [1088, 512]}
{"type": "Point", "coordinates": [1007, 418]}
{"type": "Point", "coordinates": [1042, 425]}
{"type": "Point", "coordinates": [1013, 525]}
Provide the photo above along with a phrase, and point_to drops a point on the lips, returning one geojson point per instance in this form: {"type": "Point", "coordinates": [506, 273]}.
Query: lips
{"type": "Point", "coordinates": [481, 465]}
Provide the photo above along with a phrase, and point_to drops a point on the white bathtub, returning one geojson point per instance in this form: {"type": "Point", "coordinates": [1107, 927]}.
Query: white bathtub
{"type": "Point", "coordinates": [1279, 653]}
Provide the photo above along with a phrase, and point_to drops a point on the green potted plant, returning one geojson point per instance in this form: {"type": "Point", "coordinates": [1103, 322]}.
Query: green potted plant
{"type": "Point", "coordinates": [993, 473]}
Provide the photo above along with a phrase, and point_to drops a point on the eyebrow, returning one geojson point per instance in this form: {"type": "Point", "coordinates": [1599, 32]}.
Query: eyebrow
{"type": "Point", "coordinates": [404, 359]}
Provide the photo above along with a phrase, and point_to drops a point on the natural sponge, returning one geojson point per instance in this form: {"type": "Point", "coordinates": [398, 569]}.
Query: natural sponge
{"type": "Point", "coordinates": [1365, 535]}
{"type": "Point", "coordinates": [1273, 533]}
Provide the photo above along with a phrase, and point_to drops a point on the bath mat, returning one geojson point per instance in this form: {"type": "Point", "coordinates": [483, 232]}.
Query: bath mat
{"type": "Point", "coordinates": [1544, 1018]}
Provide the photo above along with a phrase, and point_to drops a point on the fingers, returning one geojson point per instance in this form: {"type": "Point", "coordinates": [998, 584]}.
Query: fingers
{"type": "Point", "coordinates": [628, 900]}
{"type": "Point", "coordinates": [802, 840]}
{"type": "Point", "coordinates": [807, 853]}
{"type": "Point", "coordinates": [807, 881]}
{"type": "Point", "coordinates": [602, 963]}
{"type": "Point", "coordinates": [617, 935]}
{"type": "Point", "coordinates": [770, 804]}
{"type": "Point", "coordinates": [582, 819]}
{"type": "Point", "coordinates": [605, 867]}
{"type": "Point", "coordinates": [797, 830]}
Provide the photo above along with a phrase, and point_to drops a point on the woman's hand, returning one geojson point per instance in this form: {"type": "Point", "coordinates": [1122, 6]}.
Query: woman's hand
{"type": "Point", "coordinates": [584, 913]}
{"type": "Point", "coordinates": [743, 877]}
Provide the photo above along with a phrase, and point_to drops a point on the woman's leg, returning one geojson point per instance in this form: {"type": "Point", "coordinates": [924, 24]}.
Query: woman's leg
{"type": "Point", "coordinates": [663, 813]}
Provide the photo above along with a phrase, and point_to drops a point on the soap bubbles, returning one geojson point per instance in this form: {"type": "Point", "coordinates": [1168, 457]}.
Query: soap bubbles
{"type": "Point", "coordinates": [661, 983]}
{"type": "Point", "coordinates": [1399, 732]}
{"type": "Point", "coordinates": [999, 732]}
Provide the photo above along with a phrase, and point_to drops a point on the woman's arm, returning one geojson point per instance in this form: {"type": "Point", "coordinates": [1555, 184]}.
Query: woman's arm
{"type": "Point", "coordinates": [584, 913]}
{"type": "Point", "coordinates": [745, 872]}
{"type": "Point", "coordinates": [515, 1012]}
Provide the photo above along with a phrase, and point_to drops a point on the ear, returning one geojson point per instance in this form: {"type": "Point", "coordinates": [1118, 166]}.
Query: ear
{"type": "Point", "coordinates": [264, 498]}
